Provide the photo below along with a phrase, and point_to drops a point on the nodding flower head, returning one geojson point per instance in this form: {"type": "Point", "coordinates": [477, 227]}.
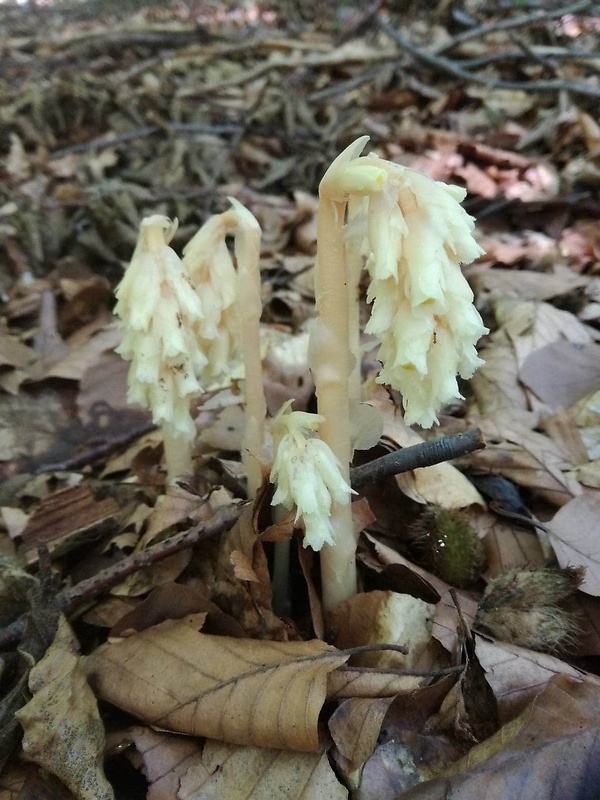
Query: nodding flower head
{"type": "Point", "coordinates": [306, 473]}
{"type": "Point", "coordinates": [423, 313]}
{"type": "Point", "coordinates": [159, 308]}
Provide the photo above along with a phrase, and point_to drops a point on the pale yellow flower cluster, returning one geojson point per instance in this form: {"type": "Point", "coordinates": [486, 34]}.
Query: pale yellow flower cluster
{"type": "Point", "coordinates": [158, 327]}
{"type": "Point", "coordinates": [306, 473]}
{"type": "Point", "coordinates": [423, 313]}
{"type": "Point", "coordinates": [206, 258]}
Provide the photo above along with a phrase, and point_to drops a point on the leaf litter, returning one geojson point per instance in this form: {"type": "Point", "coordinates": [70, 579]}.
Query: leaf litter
{"type": "Point", "coordinates": [119, 112]}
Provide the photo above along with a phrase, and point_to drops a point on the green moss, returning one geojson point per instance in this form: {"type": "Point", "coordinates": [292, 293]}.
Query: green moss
{"type": "Point", "coordinates": [456, 553]}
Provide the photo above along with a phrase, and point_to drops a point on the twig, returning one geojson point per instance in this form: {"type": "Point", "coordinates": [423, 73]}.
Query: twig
{"type": "Point", "coordinates": [558, 53]}
{"type": "Point", "coordinates": [70, 599]}
{"type": "Point", "coordinates": [507, 24]}
{"type": "Point", "coordinates": [96, 452]}
{"type": "Point", "coordinates": [101, 143]}
{"type": "Point", "coordinates": [452, 68]}
{"type": "Point", "coordinates": [419, 455]}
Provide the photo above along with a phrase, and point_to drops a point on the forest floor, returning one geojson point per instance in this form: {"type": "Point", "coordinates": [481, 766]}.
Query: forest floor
{"type": "Point", "coordinates": [132, 612]}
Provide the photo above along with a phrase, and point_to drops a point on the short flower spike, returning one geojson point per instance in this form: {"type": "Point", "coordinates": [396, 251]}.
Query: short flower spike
{"type": "Point", "coordinates": [229, 329]}
{"type": "Point", "coordinates": [206, 258]}
{"type": "Point", "coordinates": [306, 473]}
{"type": "Point", "coordinates": [159, 309]}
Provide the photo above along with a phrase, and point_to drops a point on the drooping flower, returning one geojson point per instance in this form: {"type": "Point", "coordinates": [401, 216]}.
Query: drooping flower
{"type": "Point", "coordinates": [159, 308]}
{"type": "Point", "coordinates": [306, 473]}
{"type": "Point", "coordinates": [206, 258]}
{"type": "Point", "coordinates": [423, 313]}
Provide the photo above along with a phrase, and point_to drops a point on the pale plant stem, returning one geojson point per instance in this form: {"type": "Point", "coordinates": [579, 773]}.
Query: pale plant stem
{"type": "Point", "coordinates": [178, 453]}
{"type": "Point", "coordinates": [354, 260]}
{"type": "Point", "coordinates": [332, 373]}
{"type": "Point", "coordinates": [247, 248]}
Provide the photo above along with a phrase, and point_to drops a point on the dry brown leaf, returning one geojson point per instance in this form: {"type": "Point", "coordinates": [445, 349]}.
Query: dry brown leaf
{"type": "Point", "coordinates": [254, 773]}
{"type": "Point", "coordinates": [552, 750]}
{"type": "Point", "coordinates": [355, 726]}
{"type": "Point", "coordinates": [240, 691]}
{"type": "Point", "coordinates": [446, 621]}
{"type": "Point", "coordinates": [359, 682]}
{"type": "Point", "coordinates": [167, 758]}
{"type": "Point", "coordinates": [170, 601]}
{"type": "Point", "coordinates": [563, 372]}
{"type": "Point", "coordinates": [517, 674]}
{"type": "Point", "coordinates": [533, 325]}
{"type": "Point", "coordinates": [441, 484]}
{"type": "Point", "coordinates": [383, 618]}
{"type": "Point", "coordinates": [573, 533]}
{"type": "Point", "coordinates": [561, 427]}
{"type": "Point", "coordinates": [23, 781]}
{"type": "Point", "coordinates": [242, 567]}
{"type": "Point", "coordinates": [527, 458]}
{"type": "Point", "coordinates": [505, 545]}
{"type": "Point", "coordinates": [62, 728]}
{"type": "Point", "coordinates": [495, 384]}
{"type": "Point", "coordinates": [80, 358]}
{"type": "Point", "coordinates": [14, 353]}
{"type": "Point", "coordinates": [157, 574]}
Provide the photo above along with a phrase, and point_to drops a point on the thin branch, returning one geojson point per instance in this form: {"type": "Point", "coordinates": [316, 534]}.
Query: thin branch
{"type": "Point", "coordinates": [558, 53]}
{"type": "Point", "coordinates": [102, 142]}
{"type": "Point", "coordinates": [70, 599]}
{"type": "Point", "coordinates": [452, 68]}
{"type": "Point", "coordinates": [95, 452]}
{"type": "Point", "coordinates": [507, 24]}
{"type": "Point", "coordinates": [419, 455]}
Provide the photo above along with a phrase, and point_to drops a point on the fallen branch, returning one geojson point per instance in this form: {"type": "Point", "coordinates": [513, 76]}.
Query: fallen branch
{"type": "Point", "coordinates": [70, 599]}
{"type": "Point", "coordinates": [507, 24]}
{"type": "Point", "coordinates": [452, 68]}
{"type": "Point", "coordinates": [419, 455]}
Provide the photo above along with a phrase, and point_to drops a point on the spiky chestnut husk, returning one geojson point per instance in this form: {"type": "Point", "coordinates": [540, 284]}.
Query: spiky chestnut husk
{"type": "Point", "coordinates": [520, 607]}
{"type": "Point", "coordinates": [454, 551]}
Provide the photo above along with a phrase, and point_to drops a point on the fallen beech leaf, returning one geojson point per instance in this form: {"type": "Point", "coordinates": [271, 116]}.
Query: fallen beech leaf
{"type": "Point", "coordinates": [170, 601]}
{"type": "Point", "coordinates": [552, 750]}
{"type": "Point", "coordinates": [13, 353]}
{"type": "Point", "coordinates": [573, 533]}
{"type": "Point", "coordinates": [440, 484]}
{"type": "Point", "coordinates": [242, 568]}
{"type": "Point", "coordinates": [495, 384]}
{"type": "Point", "coordinates": [516, 674]}
{"type": "Point", "coordinates": [157, 574]}
{"type": "Point", "coordinates": [254, 773]}
{"type": "Point", "coordinates": [167, 758]}
{"type": "Point", "coordinates": [561, 373]}
{"type": "Point", "coordinates": [383, 617]}
{"type": "Point", "coordinates": [355, 727]}
{"type": "Point", "coordinates": [531, 285]}
{"type": "Point", "coordinates": [240, 691]}
{"type": "Point", "coordinates": [505, 545]}
{"type": "Point", "coordinates": [360, 682]}
{"type": "Point", "coordinates": [62, 728]}
{"type": "Point", "coordinates": [23, 781]}
{"type": "Point", "coordinates": [533, 325]}
{"type": "Point", "coordinates": [527, 458]}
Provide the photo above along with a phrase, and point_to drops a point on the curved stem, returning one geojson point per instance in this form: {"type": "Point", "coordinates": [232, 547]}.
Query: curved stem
{"type": "Point", "coordinates": [249, 304]}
